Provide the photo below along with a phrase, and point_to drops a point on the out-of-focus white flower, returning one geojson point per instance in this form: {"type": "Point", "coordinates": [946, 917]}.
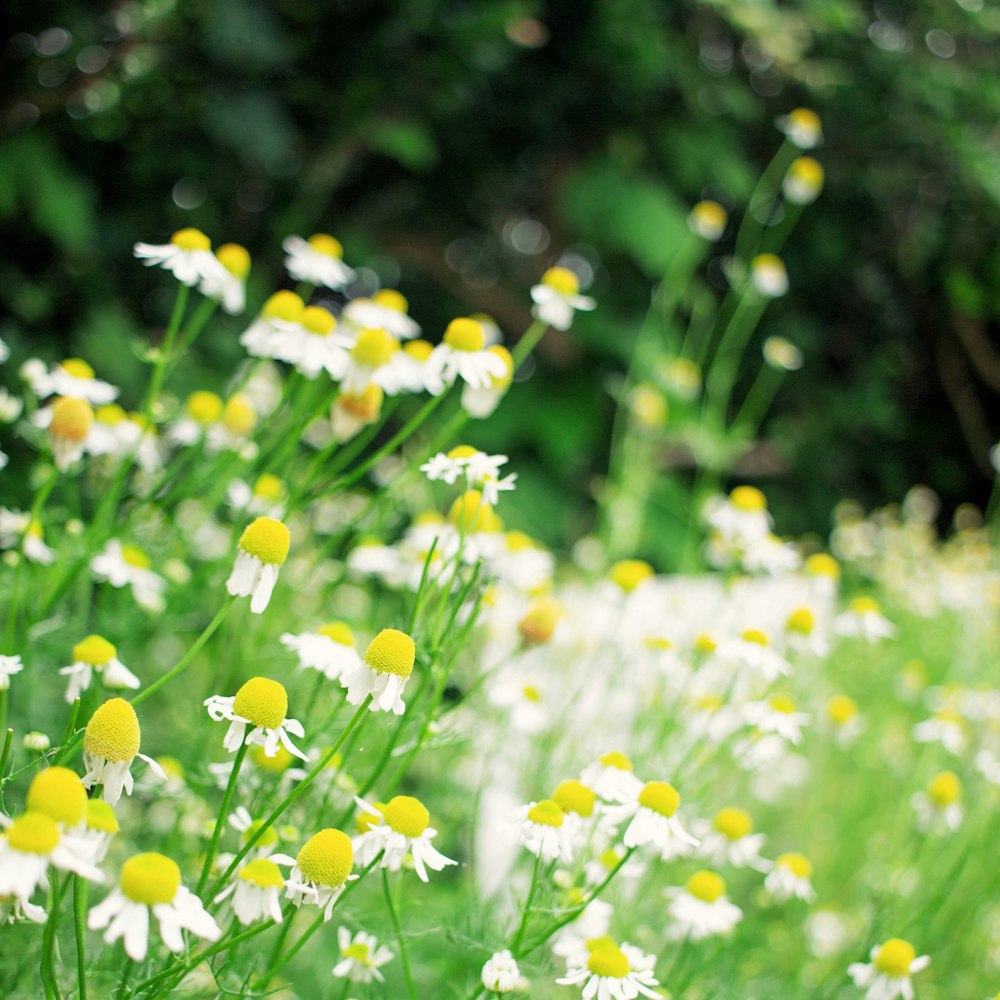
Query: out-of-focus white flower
{"type": "Point", "coordinates": [463, 355]}
{"type": "Point", "coordinates": [802, 126]}
{"type": "Point", "coordinates": [701, 909]}
{"type": "Point", "coordinates": [888, 973]}
{"type": "Point", "coordinates": [791, 877]}
{"type": "Point", "coordinates": [318, 261]}
{"type": "Point", "coordinates": [361, 957]}
{"type": "Point", "coordinates": [768, 275]}
{"type": "Point", "coordinates": [229, 284]}
{"type": "Point", "coordinates": [188, 256]}
{"type": "Point", "coordinates": [387, 309]}
{"type": "Point", "coordinates": [557, 298]}
{"type": "Point", "coordinates": [128, 566]}
{"type": "Point", "coordinates": [708, 220]}
{"type": "Point", "coordinates": [501, 974]}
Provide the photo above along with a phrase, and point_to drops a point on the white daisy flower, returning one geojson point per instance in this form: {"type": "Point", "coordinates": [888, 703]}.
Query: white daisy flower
{"type": "Point", "coordinates": [320, 871]}
{"type": "Point", "coordinates": [652, 812]}
{"type": "Point", "coordinates": [35, 549]}
{"type": "Point", "coordinates": [557, 298]}
{"type": "Point", "coordinates": [791, 878]}
{"type": "Point", "coordinates": [9, 665]}
{"type": "Point", "coordinates": [940, 804]}
{"type": "Point", "coordinates": [500, 974]}
{"type": "Point", "coordinates": [863, 619]}
{"type": "Point", "coordinates": [708, 220]}
{"type": "Point", "coordinates": [96, 654]}
{"type": "Point", "coordinates": [742, 517]}
{"type": "Point", "coordinates": [74, 379]}
{"type": "Point", "coordinates": [331, 650]}
{"type": "Point", "coordinates": [463, 354]}
{"type": "Point", "coordinates": [229, 283]}
{"type": "Point", "coordinates": [279, 321]}
{"type": "Point", "coordinates": [369, 362]}
{"type": "Point", "coordinates": [700, 908]}
{"type": "Point", "coordinates": [480, 471]}
{"type": "Point", "coordinates": [261, 704]}
{"type": "Point", "coordinates": [768, 275]}
{"type": "Point", "coordinates": [946, 727]}
{"type": "Point", "coordinates": [887, 975]}
{"type": "Point", "coordinates": [403, 834]}
{"type": "Point", "coordinates": [314, 345]}
{"type": "Point", "coordinates": [383, 673]}
{"type": "Point", "coordinates": [802, 126]}
{"type": "Point", "coordinates": [110, 746]}
{"type": "Point", "coordinates": [777, 715]}
{"type": "Point", "coordinates": [803, 182]}
{"type": "Point", "coordinates": [318, 261]}
{"type": "Point", "coordinates": [128, 566]}
{"type": "Point", "coordinates": [255, 890]}
{"type": "Point", "coordinates": [267, 496]}
{"type": "Point", "coordinates": [611, 777]}
{"type": "Point", "coordinates": [201, 410]}
{"type": "Point", "coordinates": [361, 957]}
{"type": "Point", "coordinates": [262, 551]}
{"type": "Point", "coordinates": [546, 831]}
{"type": "Point", "coordinates": [479, 401]}
{"type": "Point", "coordinates": [387, 309]}
{"type": "Point", "coordinates": [232, 432]}
{"type": "Point", "coordinates": [100, 827]}
{"type": "Point", "coordinates": [730, 839]}
{"type": "Point", "coordinates": [151, 884]}
{"type": "Point", "coordinates": [610, 975]}
{"type": "Point", "coordinates": [188, 256]}
{"type": "Point", "coordinates": [69, 422]}
{"type": "Point", "coordinates": [411, 372]}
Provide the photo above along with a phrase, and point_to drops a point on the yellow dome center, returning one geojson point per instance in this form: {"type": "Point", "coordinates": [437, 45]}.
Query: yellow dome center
{"type": "Point", "coordinates": [756, 636]}
{"type": "Point", "coordinates": [267, 539]}
{"type": "Point", "coordinates": [318, 320]}
{"type": "Point", "coordinates": [327, 245]}
{"type": "Point", "coordinates": [821, 564]}
{"type": "Point", "coordinates": [150, 878]}
{"type": "Point", "coordinates": [391, 299]}
{"type": "Point", "coordinates": [748, 499]}
{"type": "Point", "coordinates": [711, 215]}
{"type": "Point", "coordinates": [113, 731]}
{"type": "Point", "coordinates": [77, 367]}
{"type": "Point", "coordinates": [406, 815]}
{"type": "Point", "coordinates": [285, 306]}
{"type": "Point", "coordinates": [798, 864]}
{"type": "Point", "coordinates": [465, 334]}
{"type": "Point", "coordinates": [419, 350]}
{"type": "Point", "coordinates": [203, 407]}
{"type": "Point", "coordinates": [732, 823]}
{"type": "Point", "coordinates": [34, 833]}
{"type": "Point", "coordinates": [374, 347]}
{"type": "Point", "coordinates": [267, 839]}
{"type": "Point", "coordinates": [540, 620]}
{"type": "Point", "coordinates": [364, 406]}
{"type": "Point", "coordinates": [782, 703]}
{"type": "Point", "coordinates": [617, 760]}
{"type": "Point", "coordinates": [547, 813]}
{"type": "Point", "coordinates": [101, 817]}
{"type": "Point", "coordinates": [801, 621]}
{"type": "Point", "coordinates": [191, 239]}
{"type": "Point", "coordinates": [326, 858]}
{"type": "Point", "coordinates": [269, 487]}
{"type": "Point", "coordinates": [134, 556]}
{"type": "Point", "coordinates": [463, 451]}
{"type": "Point", "coordinates": [609, 961]}
{"type": "Point", "coordinates": [366, 820]}
{"type": "Point", "coordinates": [629, 573]}
{"type": "Point", "coordinates": [575, 797]}
{"type": "Point", "coordinates": [661, 797]}
{"type": "Point", "coordinates": [58, 792]}
{"type": "Point", "coordinates": [706, 886]}
{"type": "Point", "coordinates": [238, 416]}
{"type": "Point", "coordinates": [945, 789]}
{"type": "Point", "coordinates": [95, 650]}
{"type": "Point", "coordinates": [501, 382]}
{"type": "Point", "coordinates": [561, 280]}
{"type": "Point", "coordinates": [807, 171]}
{"type": "Point", "coordinates": [841, 709]}
{"type": "Point", "coordinates": [865, 606]}
{"type": "Point", "coordinates": [263, 701]}
{"type": "Point", "coordinates": [71, 419]}
{"type": "Point", "coordinates": [277, 764]}
{"type": "Point", "coordinates": [895, 957]}
{"type": "Point", "coordinates": [391, 652]}
{"type": "Point", "coordinates": [234, 259]}
{"type": "Point", "coordinates": [804, 118]}
{"type": "Point", "coordinates": [111, 414]}
{"type": "Point", "coordinates": [339, 632]}
{"type": "Point", "coordinates": [262, 873]}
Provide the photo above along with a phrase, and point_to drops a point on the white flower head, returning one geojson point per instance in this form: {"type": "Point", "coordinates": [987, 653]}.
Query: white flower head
{"type": "Point", "coordinates": [110, 746]}
{"type": "Point", "coordinates": [730, 839]}
{"type": "Point", "coordinates": [547, 831]}
{"type": "Point", "coordinates": [802, 126]}
{"type": "Point", "coordinates": [612, 777]}
{"type": "Point", "coordinates": [939, 805]}
{"type": "Point", "coordinates": [318, 261]}
{"type": "Point", "coordinates": [463, 354]}
{"type": "Point", "coordinates": [708, 219]}
{"type": "Point", "coordinates": [73, 378]}
{"type": "Point", "coordinates": [478, 469]}
{"type": "Point", "coordinates": [9, 665]}
{"type": "Point", "coordinates": [887, 975]}
{"type": "Point", "coordinates": [370, 362]}
{"type": "Point", "coordinates": [261, 705]}
{"type": "Point", "coordinates": [386, 309]}
{"type": "Point", "coordinates": [500, 974]}
{"type": "Point", "coordinates": [863, 619]}
{"type": "Point", "coordinates": [279, 321]}
{"type": "Point", "coordinates": [652, 815]}
{"type": "Point", "coordinates": [229, 283]}
{"type": "Point", "coordinates": [613, 973]}
{"type": "Point", "coordinates": [255, 891]}
{"type": "Point", "coordinates": [96, 655]}
{"type": "Point", "coordinates": [69, 421]}
{"type": "Point", "coordinates": [320, 871]}
{"type": "Point", "coordinates": [768, 275]}
{"type": "Point", "coordinates": [557, 298]}
{"type": "Point", "coordinates": [129, 566]}
{"type": "Point", "coordinates": [314, 345]}
{"type": "Point", "coordinates": [777, 714]}
{"type": "Point", "coordinates": [791, 878]}
{"type": "Point", "coordinates": [383, 673]}
{"type": "Point", "coordinates": [361, 957]}
{"type": "Point", "coordinates": [700, 908]}
{"type": "Point", "coordinates": [188, 256]}
{"type": "Point", "coordinates": [803, 182]}
{"type": "Point", "coordinates": [262, 551]}
{"type": "Point", "coordinates": [331, 650]}
{"type": "Point", "coordinates": [479, 402]}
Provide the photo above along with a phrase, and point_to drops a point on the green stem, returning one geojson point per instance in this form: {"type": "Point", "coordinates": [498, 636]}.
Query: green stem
{"type": "Point", "coordinates": [221, 818]}
{"type": "Point", "coordinates": [529, 340]}
{"type": "Point", "coordinates": [80, 926]}
{"type": "Point", "coordinates": [515, 947]}
{"type": "Point", "coordinates": [47, 969]}
{"type": "Point", "coordinates": [123, 982]}
{"type": "Point", "coordinates": [411, 988]}
{"type": "Point", "coordinates": [758, 399]}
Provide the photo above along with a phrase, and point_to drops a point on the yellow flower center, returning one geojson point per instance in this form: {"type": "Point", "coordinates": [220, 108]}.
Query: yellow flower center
{"type": "Point", "coordinates": [374, 347]}
{"type": "Point", "coordinates": [895, 957]}
{"type": "Point", "coordinates": [804, 118]}
{"type": "Point", "coordinates": [661, 797]}
{"type": "Point", "coordinates": [110, 415]}
{"type": "Point", "coordinates": [748, 498]}
{"type": "Point", "coordinates": [532, 694]}
{"type": "Point", "coordinates": [366, 820]}
{"type": "Point", "coordinates": [77, 367]}
{"type": "Point", "coordinates": [798, 864]}
{"type": "Point", "coordinates": [34, 833]}
{"type": "Point", "coordinates": [629, 573]}
{"type": "Point", "coordinates": [501, 382]}
{"type": "Point", "coordinates": [191, 239]}
{"type": "Point", "coordinates": [150, 879]}
{"type": "Point", "coordinates": [609, 858]}
{"type": "Point", "coordinates": [465, 334]}
{"type": "Point", "coordinates": [649, 405]}
{"type": "Point", "coordinates": [807, 171]}
{"type": "Point", "coordinates": [419, 350]}
{"type": "Point", "coordinates": [95, 650]}
{"type": "Point", "coordinates": [756, 636]}
{"type": "Point", "coordinates": [841, 709]}
{"type": "Point", "coordinates": [462, 451]}
{"type": "Point", "coordinates": [801, 621]}
{"type": "Point", "coordinates": [172, 767]}
{"type": "Point", "coordinates": [269, 487]}
{"type": "Point", "coordinates": [547, 813]}
{"type": "Point", "coordinates": [132, 555]}
{"type": "Point", "coordinates": [604, 941]}
{"type": "Point", "coordinates": [326, 245]}
{"type": "Point", "coordinates": [561, 280]}
{"type": "Point", "coordinates": [285, 306]}
{"type": "Point", "coordinates": [391, 652]}
{"type": "Point", "coordinates": [822, 564]}
{"type": "Point", "coordinates": [519, 541]}
{"type": "Point", "coordinates": [263, 701]}
{"type": "Point", "coordinates": [365, 406]}
{"type": "Point", "coordinates": [71, 419]}
{"type": "Point", "coordinates": [358, 951]}
{"type": "Point", "coordinates": [617, 760]}
{"type": "Point", "coordinates": [101, 817]}
{"type": "Point", "coordinates": [710, 215]}
{"type": "Point", "coordinates": [262, 873]}
{"type": "Point", "coordinates": [326, 858]}
{"type": "Point", "coordinates": [234, 259]}
{"type": "Point", "coordinates": [113, 731]}
{"type": "Point", "coordinates": [768, 262]}
{"type": "Point", "coordinates": [204, 407]}
{"type": "Point", "coordinates": [58, 792]}
{"type": "Point", "coordinates": [540, 620]}
{"type": "Point", "coordinates": [406, 815]}
{"type": "Point", "coordinates": [470, 514]}
{"type": "Point", "coordinates": [782, 703]}
{"type": "Point", "coordinates": [575, 797]}
{"type": "Point", "coordinates": [945, 789]}
{"type": "Point", "coordinates": [339, 632]}
{"type": "Point", "coordinates": [391, 299]}
{"type": "Point", "coordinates": [318, 320]}
{"type": "Point", "coordinates": [733, 823]}
{"type": "Point", "coordinates": [704, 643]}
{"type": "Point", "coordinates": [608, 961]}
{"type": "Point", "coordinates": [239, 417]}
{"type": "Point", "coordinates": [277, 764]}
{"type": "Point", "coordinates": [865, 606]}
{"type": "Point", "coordinates": [267, 539]}
{"type": "Point", "coordinates": [706, 886]}
{"type": "Point", "coordinates": [267, 839]}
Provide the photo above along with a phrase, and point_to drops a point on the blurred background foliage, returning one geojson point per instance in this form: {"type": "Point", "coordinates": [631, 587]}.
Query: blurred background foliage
{"type": "Point", "coordinates": [459, 148]}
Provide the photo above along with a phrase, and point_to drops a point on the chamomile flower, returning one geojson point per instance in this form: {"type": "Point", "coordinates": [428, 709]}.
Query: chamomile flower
{"type": "Point", "coordinates": [110, 746]}
{"type": "Point", "coordinates": [58, 793]}
{"type": "Point", "coordinates": [266, 497]}
{"type": "Point", "coordinates": [361, 957]}
{"type": "Point", "coordinates": [768, 275]}
{"type": "Point", "coordinates": [479, 470]}
{"type": "Point", "coordinates": [708, 220]}
{"type": "Point", "coordinates": [802, 634]}
{"type": "Point", "coordinates": [262, 705]}
{"type": "Point", "coordinates": [369, 362]}
{"type": "Point", "coordinates": [480, 401]}
{"type": "Point", "coordinates": [782, 355]}
{"type": "Point", "coordinates": [946, 727]}
{"type": "Point", "coordinates": [777, 714]}
{"type": "Point", "coordinates": [241, 820]}
{"type": "Point", "coordinates": [331, 649]}
{"type": "Point", "coordinates": [887, 975]}
{"type": "Point", "coordinates": [314, 346]}
{"type": "Point", "coordinates": [201, 410]}
{"type": "Point", "coordinates": [91, 655]}
{"type": "Point", "coordinates": [940, 804]}
{"type": "Point", "coordinates": [188, 256]}
{"type": "Point", "coordinates": [320, 871]}
{"type": "Point", "coordinates": [402, 832]}
{"type": "Point", "coordinates": [387, 309]}
{"type": "Point", "coordinates": [742, 518]}
{"type": "Point", "coordinates": [730, 839]}
{"type": "Point", "coordinates": [9, 665]}
{"type": "Point", "coordinates": [803, 182]}
{"type": "Point", "coordinates": [843, 717]}
{"type": "Point", "coordinates": [410, 370]}
{"type": "Point", "coordinates": [609, 974]}
{"type": "Point", "coordinates": [352, 411]}
{"type": "Point", "coordinates": [318, 261]}
{"type": "Point", "coordinates": [32, 842]}
{"type": "Point", "coordinates": [546, 831]}
{"type": "Point", "coordinates": [612, 777]}
{"type": "Point", "coordinates": [263, 549]}
{"type": "Point", "coordinates": [150, 884]}
{"type": "Point", "coordinates": [463, 355]}
{"type": "Point", "coordinates": [129, 566]}
{"type": "Point", "coordinates": [501, 974]}
{"type": "Point", "coordinates": [700, 908]}
{"type": "Point", "coordinates": [74, 379]}
{"type": "Point", "coordinates": [232, 432]}
{"type": "Point", "coordinates": [69, 424]}
{"type": "Point", "coordinates": [255, 890]}
{"type": "Point", "coordinates": [228, 284]}
{"type": "Point", "coordinates": [383, 673]}
{"type": "Point", "coordinates": [863, 619]}
{"type": "Point", "coordinates": [35, 549]}
{"type": "Point", "coordinates": [791, 878]}
{"type": "Point", "coordinates": [279, 320]}
{"type": "Point", "coordinates": [557, 298]}
{"type": "Point", "coordinates": [802, 126]}
{"type": "Point", "coordinates": [99, 827]}
{"type": "Point", "coordinates": [652, 812]}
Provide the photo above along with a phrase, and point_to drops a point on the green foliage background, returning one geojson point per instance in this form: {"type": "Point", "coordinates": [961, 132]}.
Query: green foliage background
{"type": "Point", "coordinates": [421, 132]}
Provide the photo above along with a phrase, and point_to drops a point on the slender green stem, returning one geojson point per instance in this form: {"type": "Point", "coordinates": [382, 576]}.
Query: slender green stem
{"type": "Point", "coordinates": [4, 702]}
{"type": "Point", "coordinates": [529, 340]}
{"type": "Point", "coordinates": [288, 918]}
{"type": "Point", "coordinates": [515, 947]}
{"type": "Point", "coordinates": [74, 714]}
{"type": "Point", "coordinates": [80, 926]}
{"type": "Point", "coordinates": [758, 398]}
{"type": "Point", "coordinates": [411, 988]}
{"type": "Point", "coordinates": [8, 738]}
{"type": "Point", "coordinates": [220, 820]}
{"type": "Point", "coordinates": [127, 969]}
{"type": "Point", "coordinates": [47, 969]}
